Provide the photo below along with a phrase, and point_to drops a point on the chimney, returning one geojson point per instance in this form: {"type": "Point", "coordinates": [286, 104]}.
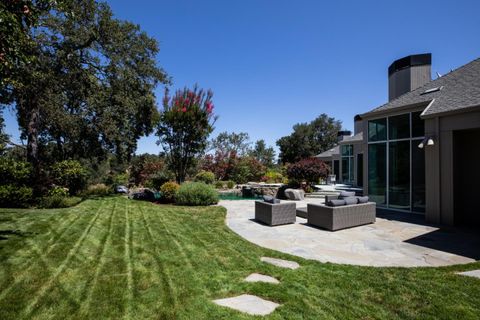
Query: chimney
{"type": "Point", "coordinates": [357, 124]}
{"type": "Point", "coordinates": [409, 73]}
{"type": "Point", "coordinates": [342, 134]}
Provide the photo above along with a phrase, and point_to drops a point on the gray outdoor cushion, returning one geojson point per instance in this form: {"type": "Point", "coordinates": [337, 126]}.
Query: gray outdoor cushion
{"type": "Point", "coordinates": [350, 200]}
{"type": "Point", "coordinates": [362, 199]}
{"type": "Point", "coordinates": [270, 199]}
{"type": "Point", "coordinates": [345, 194]}
{"type": "Point", "coordinates": [336, 203]}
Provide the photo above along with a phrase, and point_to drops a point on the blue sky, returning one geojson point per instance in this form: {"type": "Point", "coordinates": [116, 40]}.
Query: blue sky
{"type": "Point", "coordinates": [274, 63]}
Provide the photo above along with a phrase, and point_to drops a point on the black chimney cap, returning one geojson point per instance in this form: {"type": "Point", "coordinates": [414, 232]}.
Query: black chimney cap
{"type": "Point", "coordinates": [410, 61]}
{"type": "Point", "coordinates": [344, 133]}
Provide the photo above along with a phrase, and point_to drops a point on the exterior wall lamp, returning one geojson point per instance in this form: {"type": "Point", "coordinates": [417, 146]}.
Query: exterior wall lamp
{"type": "Point", "coordinates": [428, 141]}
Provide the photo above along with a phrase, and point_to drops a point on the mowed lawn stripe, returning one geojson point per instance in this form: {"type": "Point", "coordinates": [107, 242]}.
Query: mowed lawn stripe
{"type": "Point", "coordinates": [25, 256]}
{"type": "Point", "coordinates": [40, 255]}
{"type": "Point", "coordinates": [128, 261]}
{"type": "Point", "coordinates": [160, 247]}
{"type": "Point", "coordinates": [73, 251]}
{"type": "Point", "coordinates": [87, 296]}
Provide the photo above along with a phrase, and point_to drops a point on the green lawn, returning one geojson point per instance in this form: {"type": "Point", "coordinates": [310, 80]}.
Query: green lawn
{"type": "Point", "coordinates": [116, 258]}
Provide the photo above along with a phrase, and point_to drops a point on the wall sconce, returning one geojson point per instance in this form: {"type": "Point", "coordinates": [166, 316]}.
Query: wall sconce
{"type": "Point", "coordinates": [428, 141]}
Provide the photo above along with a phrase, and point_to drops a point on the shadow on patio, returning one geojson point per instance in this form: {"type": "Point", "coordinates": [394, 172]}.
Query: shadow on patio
{"type": "Point", "coordinates": [460, 241]}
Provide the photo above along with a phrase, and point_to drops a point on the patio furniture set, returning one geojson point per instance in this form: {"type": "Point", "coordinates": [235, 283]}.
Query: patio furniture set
{"type": "Point", "coordinates": [338, 212]}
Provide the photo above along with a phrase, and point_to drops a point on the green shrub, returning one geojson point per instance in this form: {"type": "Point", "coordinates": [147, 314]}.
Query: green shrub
{"type": "Point", "coordinates": [205, 176]}
{"type": "Point", "coordinates": [57, 201]}
{"type": "Point", "coordinates": [13, 196]}
{"type": "Point", "coordinates": [196, 194]}
{"type": "Point", "coordinates": [230, 184]}
{"type": "Point", "coordinates": [120, 179]}
{"type": "Point", "coordinates": [14, 172]}
{"type": "Point", "coordinates": [272, 176]}
{"type": "Point", "coordinates": [97, 190]}
{"type": "Point", "coordinates": [157, 180]}
{"type": "Point", "coordinates": [57, 191]}
{"type": "Point", "coordinates": [169, 191]}
{"type": "Point", "coordinates": [70, 174]}
{"type": "Point", "coordinates": [219, 184]}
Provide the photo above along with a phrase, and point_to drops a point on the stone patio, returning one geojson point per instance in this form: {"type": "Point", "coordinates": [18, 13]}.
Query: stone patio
{"type": "Point", "coordinates": [388, 242]}
{"type": "Point", "coordinates": [473, 273]}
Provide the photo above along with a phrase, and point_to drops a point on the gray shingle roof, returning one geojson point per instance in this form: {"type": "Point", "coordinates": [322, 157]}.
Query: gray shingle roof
{"type": "Point", "coordinates": [351, 139]}
{"type": "Point", "coordinates": [460, 90]}
{"type": "Point", "coordinates": [329, 153]}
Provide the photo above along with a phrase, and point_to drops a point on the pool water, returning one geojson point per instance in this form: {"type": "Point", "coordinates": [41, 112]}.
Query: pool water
{"type": "Point", "coordinates": [235, 196]}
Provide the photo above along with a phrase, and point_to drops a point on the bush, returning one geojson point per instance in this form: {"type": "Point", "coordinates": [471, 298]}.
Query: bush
{"type": "Point", "coordinates": [196, 194]}
{"type": "Point", "coordinates": [168, 191]}
{"type": "Point", "coordinates": [56, 201]}
{"type": "Point", "coordinates": [12, 196]}
{"type": "Point", "coordinates": [230, 184]}
{"type": "Point", "coordinates": [157, 180]}
{"type": "Point", "coordinates": [57, 191]}
{"type": "Point", "coordinates": [14, 172]}
{"type": "Point", "coordinates": [272, 176]}
{"type": "Point", "coordinates": [205, 176]}
{"type": "Point", "coordinates": [70, 174]}
{"type": "Point", "coordinates": [97, 190]}
{"type": "Point", "coordinates": [219, 184]}
{"type": "Point", "coordinates": [310, 170]}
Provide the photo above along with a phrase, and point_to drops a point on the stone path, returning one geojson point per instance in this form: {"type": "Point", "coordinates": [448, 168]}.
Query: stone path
{"type": "Point", "coordinates": [281, 263]}
{"type": "Point", "coordinates": [473, 273]}
{"type": "Point", "coordinates": [249, 304]}
{"type": "Point", "coordinates": [257, 277]}
{"type": "Point", "coordinates": [388, 242]}
{"type": "Point", "coordinates": [252, 304]}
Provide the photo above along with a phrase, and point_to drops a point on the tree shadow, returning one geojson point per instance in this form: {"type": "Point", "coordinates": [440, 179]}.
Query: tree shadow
{"type": "Point", "coordinates": [5, 234]}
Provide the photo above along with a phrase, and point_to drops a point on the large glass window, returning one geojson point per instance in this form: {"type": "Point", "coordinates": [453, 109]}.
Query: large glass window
{"type": "Point", "coordinates": [418, 125]}
{"type": "Point", "coordinates": [377, 130]}
{"type": "Point", "coordinates": [399, 174]}
{"type": "Point", "coordinates": [396, 166]}
{"type": "Point", "coordinates": [347, 163]}
{"type": "Point", "coordinates": [377, 168]}
{"type": "Point", "coordinates": [399, 127]}
{"type": "Point", "coordinates": [418, 177]}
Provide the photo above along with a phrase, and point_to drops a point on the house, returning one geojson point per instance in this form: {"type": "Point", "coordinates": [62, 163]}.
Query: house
{"type": "Point", "coordinates": [421, 150]}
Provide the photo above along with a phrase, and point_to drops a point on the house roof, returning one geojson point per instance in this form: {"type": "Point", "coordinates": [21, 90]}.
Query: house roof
{"type": "Point", "coordinates": [356, 138]}
{"type": "Point", "coordinates": [329, 153]}
{"type": "Point", "coordinates": [458, 90]}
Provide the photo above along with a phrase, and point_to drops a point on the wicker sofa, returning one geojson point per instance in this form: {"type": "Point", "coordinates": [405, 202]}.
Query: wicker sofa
{"type": "Point", "coordinates": [336, 218]}
{"type": "Point", "coordinates": [275, 213]}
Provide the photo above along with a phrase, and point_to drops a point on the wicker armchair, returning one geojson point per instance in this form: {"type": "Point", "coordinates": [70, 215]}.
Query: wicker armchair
{"type": "Point", "coordinates": [275, 214]}
{"type": "Point", "coordinates": [335, 218]}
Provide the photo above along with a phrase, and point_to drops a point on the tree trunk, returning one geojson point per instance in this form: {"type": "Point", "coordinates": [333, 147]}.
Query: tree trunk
{"type": "Point", "coordinates": [32, 136]}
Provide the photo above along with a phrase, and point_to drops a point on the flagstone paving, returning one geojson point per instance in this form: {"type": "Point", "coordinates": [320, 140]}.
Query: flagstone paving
{"type": "Point", "coordinates": [250, 304]}
{"type": "Point", "coordinates": [257, 277]}
{"type": "Point", "coordinates": [388, 242]}
{"type": "Point", "coordinates": [473, 273]}
{"type": "Point", "coordinates": [281, 263]}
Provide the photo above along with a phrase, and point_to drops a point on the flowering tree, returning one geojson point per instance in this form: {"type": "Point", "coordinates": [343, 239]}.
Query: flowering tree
{"type": "Point", "coordinates": [186, 121]}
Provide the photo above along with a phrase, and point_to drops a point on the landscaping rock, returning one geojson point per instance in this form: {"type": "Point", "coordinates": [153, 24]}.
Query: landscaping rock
{"type": "Point", "coordinates": [256, 277]}
{"type": "Point", "coordinates": [281, 263]}
{"type": "Point", "coordinates": [252, 305]}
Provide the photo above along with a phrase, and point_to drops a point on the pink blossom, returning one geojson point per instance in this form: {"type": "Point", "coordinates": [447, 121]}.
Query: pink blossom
{"type": "Point", "coordinates": [184, 109]}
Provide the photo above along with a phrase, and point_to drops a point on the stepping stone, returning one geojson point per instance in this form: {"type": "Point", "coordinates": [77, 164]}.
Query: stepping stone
{"type": "Point", "coordinates": [281, 263]}
{"type": "Point", "coordinates": [249, 304]}
{"type": "Point", "coordinates": [473, 273]}
{"type": "Point", "coordinates": [257, 277]}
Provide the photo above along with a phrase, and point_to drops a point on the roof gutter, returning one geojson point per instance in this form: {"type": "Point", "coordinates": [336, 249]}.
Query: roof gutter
{"type": "Point", "coordinates": [396, 109]}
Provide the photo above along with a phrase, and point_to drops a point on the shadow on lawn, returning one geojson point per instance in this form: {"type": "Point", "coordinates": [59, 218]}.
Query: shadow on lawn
{"type": "Point", "coordinates": [5, 234]}
{"type": "Point", "coordinates": [460, 241]}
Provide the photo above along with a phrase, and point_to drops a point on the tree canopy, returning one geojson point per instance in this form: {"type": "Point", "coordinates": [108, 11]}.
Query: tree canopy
{"type": "Point", "coordinates": [226, 143]}
{"type": "Point", "coordinates": [265, 155]}
{"type": "Point", "coordinates": [309, 139]}
{"type": "Point", "coordinates": [90, 88]}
